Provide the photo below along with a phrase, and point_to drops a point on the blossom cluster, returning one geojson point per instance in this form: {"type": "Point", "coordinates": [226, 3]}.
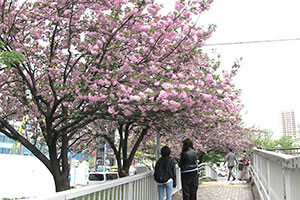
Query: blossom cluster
{"type": "Point", "coordinates": [119, 60]}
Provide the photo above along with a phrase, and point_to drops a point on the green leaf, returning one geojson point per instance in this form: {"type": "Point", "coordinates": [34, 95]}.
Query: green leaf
{"type": "Point", "coordinates": [2, 44]}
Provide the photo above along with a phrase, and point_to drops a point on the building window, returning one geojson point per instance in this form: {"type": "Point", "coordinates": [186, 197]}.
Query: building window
{"type": "Point", "coordinates": [4, 151]}
{"type": "Point", "coordinates": [2, 138]}
{"type": "Point", "coordinates": [5, 139]}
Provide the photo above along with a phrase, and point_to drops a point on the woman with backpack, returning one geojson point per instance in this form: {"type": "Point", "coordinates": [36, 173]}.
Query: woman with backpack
{"type": "Point", "coordinates": [165, 174]}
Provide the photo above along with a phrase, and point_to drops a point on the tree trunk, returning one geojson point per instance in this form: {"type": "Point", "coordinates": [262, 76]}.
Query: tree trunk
{"type": "Point", "coordinates": [61, 182]}
{"type": "Point", "coordinates": [59, 172]}
{"type": "Point", "coordinates": [123, 168]}
{"type": "Point", "coordinates": [127, 162]}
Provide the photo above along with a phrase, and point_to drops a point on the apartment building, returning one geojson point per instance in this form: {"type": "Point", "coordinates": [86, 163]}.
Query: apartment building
{"type": "Point", "coordinates": [289, 124]}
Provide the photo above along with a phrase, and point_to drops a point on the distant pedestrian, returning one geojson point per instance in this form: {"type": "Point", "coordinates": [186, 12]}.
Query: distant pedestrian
{"type": "Point", "coordinates": [165, 174]}
{"type": "Point", "coordinates": [188, 164]}
{"type": "Point", "coordinates": [244, 169]}
{"type": "Point", "coordinates": [230, 159]}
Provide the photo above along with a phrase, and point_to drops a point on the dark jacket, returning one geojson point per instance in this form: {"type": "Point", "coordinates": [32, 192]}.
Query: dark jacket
{"type": "Point", "coordinates": [188, 160]}
{"type": "Point", "coordinates": [169, 163]}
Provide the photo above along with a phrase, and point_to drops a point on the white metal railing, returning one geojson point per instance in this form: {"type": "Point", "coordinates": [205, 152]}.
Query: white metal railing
{"type": "Point", "coordinates": [208, 171]}
{"type": "Point", "coordinates": [295, 151]}
{"type": "Point", "coordinates": [276, 175]}
{"type": "Point", "coordinates": [137, 187]}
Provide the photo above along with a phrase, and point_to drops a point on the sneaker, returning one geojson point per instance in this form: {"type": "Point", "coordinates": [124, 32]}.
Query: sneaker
{"type": "Point", "coordinates": [233, 179]}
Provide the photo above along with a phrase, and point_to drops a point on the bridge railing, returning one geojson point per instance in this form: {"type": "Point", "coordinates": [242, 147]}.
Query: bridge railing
{"type": "Point", "coordinates": [208, 171]}
{"type": "Point", "coordinates": [138, 187]}
{"type": "Point", "coordinates": [276, 175]}
{"type": "Point", "coordinates": [289, 151]}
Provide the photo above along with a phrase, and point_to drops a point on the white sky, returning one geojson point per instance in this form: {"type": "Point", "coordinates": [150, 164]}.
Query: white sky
{"type": "Point", "coordinates": [269, 74]}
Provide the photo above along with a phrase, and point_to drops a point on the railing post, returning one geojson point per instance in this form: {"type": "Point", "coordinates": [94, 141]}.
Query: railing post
{"type": "Point", "coordinates": [276, 180]}
{"type": "Point", "coordinates": [129, 192]}
{"type": "Point", "coordinates": [292, 183]}
{"type": "Point", "coordinates": [268, 177]}
{"type": "Point", "coordinates": [276, 175]}
{"type": "Point", "coordinates": [178, 178]}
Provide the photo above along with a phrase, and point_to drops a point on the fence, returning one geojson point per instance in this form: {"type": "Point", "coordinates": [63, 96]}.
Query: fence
{"type": "Point", "coordinates": [207, 171]}
{"type": "Point", "coordinates": [276, 175]}
{"type": "Point", "coordinates": [137, 187]}
{"type": "Point", "coordinates": [289, 151]}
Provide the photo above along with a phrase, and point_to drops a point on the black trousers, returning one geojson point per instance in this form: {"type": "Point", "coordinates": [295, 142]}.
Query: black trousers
{"type": "Point", "coordinates": [189, 183]}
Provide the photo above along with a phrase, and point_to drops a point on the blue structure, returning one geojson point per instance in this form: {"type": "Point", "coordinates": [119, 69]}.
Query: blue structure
{"type": "Point", "coordinates": [78, 156]}
{"type": "Point", "coordinates": [5, 144]}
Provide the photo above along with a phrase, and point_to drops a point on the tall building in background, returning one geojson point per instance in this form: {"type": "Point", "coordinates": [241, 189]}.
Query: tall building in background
{"type": "Point", "coordinates": [289, 125]}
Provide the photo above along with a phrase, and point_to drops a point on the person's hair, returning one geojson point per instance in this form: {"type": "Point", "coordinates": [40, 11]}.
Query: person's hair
{"type": "Point", "coordinates": [187, 143]}
{"type": "Point", "coordinates": [230, 149]}
{"type": "Point", "coordinates": [165, 151]}
{"type": "Point", "coordinates": [244, 151]}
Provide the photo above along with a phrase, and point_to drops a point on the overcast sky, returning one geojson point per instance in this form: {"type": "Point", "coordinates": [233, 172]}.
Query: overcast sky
{"type": "Point", "coordinates": [269, 74]}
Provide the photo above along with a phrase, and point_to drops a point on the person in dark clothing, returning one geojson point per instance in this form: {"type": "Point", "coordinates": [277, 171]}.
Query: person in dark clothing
{"type": "Point", "coordinates": [189, 170]}
{"type": "Point", "coordinates": [165, 174]}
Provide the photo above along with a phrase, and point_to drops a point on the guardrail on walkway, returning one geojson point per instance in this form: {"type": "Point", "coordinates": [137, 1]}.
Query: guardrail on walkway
{"type": "Point", "coordinates": [276, 175]}
{"type": "Point", "coordinates": [290, 151]}
{"type": "Point", "coordinates": [137, 187]}
{"type": "Point", "coordinates": [208, 170]}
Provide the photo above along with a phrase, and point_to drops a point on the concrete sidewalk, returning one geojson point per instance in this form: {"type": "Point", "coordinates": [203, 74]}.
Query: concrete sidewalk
{"type": "Point", "coordinates": [222, 190]}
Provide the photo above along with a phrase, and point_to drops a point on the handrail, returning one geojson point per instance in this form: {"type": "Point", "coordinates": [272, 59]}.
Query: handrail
{"type": "Point", "coordinates": [261, 189]}
{"type": "Point", "coordinates": [137, 187]}
{"type": "Point", "coordinates": [290, 151]}
{"type": "Point", "coordinates": [95, 189]}
{"type": "Point", "coordinates": [276, 175]}
{"type": "Point", "coordinates": [210, 172]}
{"type": "Point", "coordinates": [292, 148]}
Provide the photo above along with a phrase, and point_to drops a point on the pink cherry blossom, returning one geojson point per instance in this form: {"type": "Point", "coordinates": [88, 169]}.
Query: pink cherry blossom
{"type": "Point", "coordinates": [178, 5]}
{"type": "Point", "coordinates": [81, 70]}
{"type": "Point", "coordinates": [111, 110]}
{"type": "Point", "coordinates": [134, 98]}
{"type": "Point", "coordinates": [162, 95]}
{"type": "Point", "coordinates": [167, 86]}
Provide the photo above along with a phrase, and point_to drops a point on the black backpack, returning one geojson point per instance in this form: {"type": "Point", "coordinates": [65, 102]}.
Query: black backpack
{"type": "Point", "coordinates": [241, 165]}
{"type": "Point", "coordinates": [162, 171]}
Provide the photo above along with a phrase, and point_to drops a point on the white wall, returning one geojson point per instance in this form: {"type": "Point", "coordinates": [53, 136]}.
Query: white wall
{"type": "Point", "coordinates": [79, 172]}
{"type": "Point", "coordinates": [24, 176]}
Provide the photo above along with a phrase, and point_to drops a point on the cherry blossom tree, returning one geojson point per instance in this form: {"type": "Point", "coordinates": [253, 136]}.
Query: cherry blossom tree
{"type": "Point", "coordinates": [210, 117]}
{"type": "Point", "coordinates": [119, 62]}
{"type": "Point", "coordinates": [214, 125]}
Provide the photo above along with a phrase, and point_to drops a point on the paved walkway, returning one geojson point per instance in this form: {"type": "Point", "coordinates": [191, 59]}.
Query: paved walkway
{"type": "Point", "coordinates": [223, 190]}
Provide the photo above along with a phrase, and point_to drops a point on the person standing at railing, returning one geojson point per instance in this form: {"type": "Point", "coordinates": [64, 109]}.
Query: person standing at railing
{"type": "Point", "coordinates": [189, 170]}
{"type": "Point", "coordinates": [165, 174]}
{"type": "Point", "coordinates": [231, 160]}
